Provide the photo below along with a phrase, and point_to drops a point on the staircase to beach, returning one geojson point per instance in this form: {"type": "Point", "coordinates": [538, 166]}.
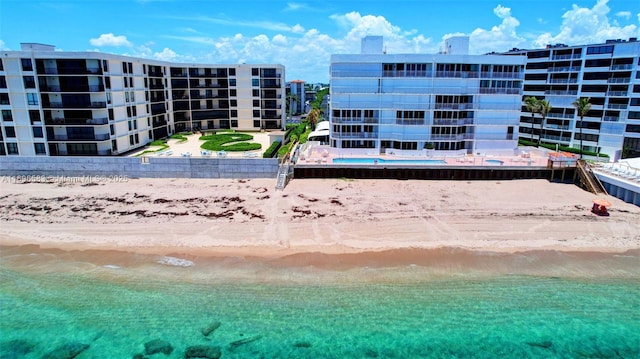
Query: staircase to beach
{"type": "Point", "coordinates": [588, 179]}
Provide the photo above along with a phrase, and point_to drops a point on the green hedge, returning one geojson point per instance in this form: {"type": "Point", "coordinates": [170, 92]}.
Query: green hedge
{"type": "Point", "coordinates": [523, 142]}
{"type": "Point", "coordinates": [217, 142]}
{"type": "Point", "coordinates": [181, 136]}
{"type": "Point", "coordinates": [272, 150]}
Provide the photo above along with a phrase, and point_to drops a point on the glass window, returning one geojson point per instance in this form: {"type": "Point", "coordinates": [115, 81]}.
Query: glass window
{"type": "Point", "coordinates": [40, 149]}
{"type": "Point", "coordinates": [37, 132]}
{"type": "Point", "coordinates": [232, 82]}
{"type": "Point", "coordinates": [256, 123]}
{"type": "Point", "coordinates": [32, 99]}
{"type": "Point", "coordinates": [232, 72]}
{"type": "Point", "coordinates": [256, 93]}
{"type": "Point", "coordinates": [12, 148]}
{"type": "Point", "coordinates": [255, 72]}
{"type": "Point", "coordinates": [256, 113]}
{"type": "Point", "coordinates": [234, 113]}
{"type": "Point", "coordinates": [233, 93]}
{"type": "Point", "coordinates": [10, 132]}
{"type": "Point", "coordinates": [6, 115]}
{"type": "Point", "coordinates": [256, 103]}
{"type": "Point", "coordinates": [105, 65]}
{"type": "Point", "coordinates": [2, 66]}
{"type": "Point", "coordinates": [27, 65]}
{"type": "Point", "coordinates": [3, 82]}
{"type": "Point", "coordinates": [29, 82]}
{"type": "Point", "coordinates": [255, 82]}
{"type": "Point", "coordinates": [233, 103]}
{"type": "Point", "coordinates": [34, 116]}
{"type": "Point", "coordinates": [234, 123]}
{"type": "Point", "coordinates": [4, 99]}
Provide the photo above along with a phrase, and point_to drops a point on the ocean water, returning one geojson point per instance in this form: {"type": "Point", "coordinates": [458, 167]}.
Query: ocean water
{"type": "Point", "coordinates": [467, 306]}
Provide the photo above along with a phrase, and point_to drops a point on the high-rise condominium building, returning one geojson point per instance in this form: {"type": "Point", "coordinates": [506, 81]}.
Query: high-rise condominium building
{"type": "Point", "coordinates": [447, 101]}
{"type": "Point", "coordinates": [296, 97]}
{"type": "Point", "coordinates": [607, 74]}
{"type": "Point", "coordinates": [90, 103]}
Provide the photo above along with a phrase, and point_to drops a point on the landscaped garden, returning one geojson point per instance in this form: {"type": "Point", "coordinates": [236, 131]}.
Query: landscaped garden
{"type": "Point", "coordinates": [229, 141]}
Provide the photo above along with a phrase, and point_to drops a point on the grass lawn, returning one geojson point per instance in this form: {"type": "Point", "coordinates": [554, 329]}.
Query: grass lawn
{"type": "Point", "coordinates": [219, 142]}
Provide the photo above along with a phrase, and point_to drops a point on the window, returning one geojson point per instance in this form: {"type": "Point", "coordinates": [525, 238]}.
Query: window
{"type": "Point", "coordinates": [233, 93]}
{"type": "Point", "coordinates": [130, 67]}
{"type": "Point", "coordinates": [32, 99]}
{"type": "Point", "coordinates": [6, 115]}
{"type": "Point", "coordinates": [114, 146]}
{"type": "Point", "coordinates": [256, 113]}
{"type": "Point", "coordinates": [144, 69]}
{"type": "Point", "coordinates": [135, 126]}
{"type": "Point", "coordinates": [128, 111]}
{"type": "Point", "coordinates": [105, 65]}
{"type": "Point", "coordinates": [255, 72]}
{"type": "Point", "coordinates": [256, 103]}
{"type": "Point", "coordinates": [29, 82]}
{"type": "Point", "coordinates": [233, 103]}
{"type": "Point", "coordinates": [27, 65]}
{"type": "Point", "coordinates": [37, 132]}
{"type": "Point", "coordinates": [134, 110]}
{"type": "Point", "coordinates": [234, 123]}
{"type": "Point", "coordinates": [2, 152]}
{"type": "Point", "coordinates": [133, 96]}
{"type": "Point", "coordinates": [124, 67]}
{"type": "Point", "coordinates": [3, 82]}
{"type": "Point", "coordinates": [255, 82]}
{"type": "Point", "coordinates": [130, 125]}
{"type": "Point", "coordinates": [9, 132]}
{"type": "Point", "coordinates": [232, 82]}
{"type": "Point", "coordinates": [256, 93]}
{"type": "Point", "coordinates": [112, 130]}
{"type": "Point", "coordinates": [126, 97]}
{"type": "Point", "coordinates": [4, 99]}
{"type": "Point", "coordinates": [12, 148]}
{"type": "Point", "coordinates": [2, 66]}
{"type": "Point", "coordinates": [131, 140]}
{"type": "Point", "coordinates": [234, 113]}
{"type": "Point", "coordinates": [108, 97]}
{"type": "Point", "coordinates": [110, 114]}
{"type": "Point", "coordinates": [107, 82]}
{"type": "Point", "coordinates": [40, 149]}
{"type": "Point", "coordinates": [232, 72]}
{"type": "Point", "coordinates": [34, 116]}
{"type": "Point", "coordinates": [594, 50]}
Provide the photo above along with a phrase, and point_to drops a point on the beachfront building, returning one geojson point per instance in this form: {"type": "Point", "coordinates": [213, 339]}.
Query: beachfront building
{"type": "Point", "coordinates": [60, 103]}
{"type": "Point", "coordinates": [606, 73]}
{"type": "Point", "coordinates": [296, 97]}
{"type": "Point", "coordinates": [450, 101]}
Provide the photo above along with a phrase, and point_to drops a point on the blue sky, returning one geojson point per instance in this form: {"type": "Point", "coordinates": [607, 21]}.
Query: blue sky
{"type": "Point", "coordinates": [303, 35]}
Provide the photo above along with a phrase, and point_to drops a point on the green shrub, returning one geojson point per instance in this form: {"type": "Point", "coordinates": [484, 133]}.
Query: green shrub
{"type": "Point", "coordinates": [523, 142]}
{"type": "Point", "coordinates": [217, 142]}
{"type": "Point", "coordinates": [272, 150]}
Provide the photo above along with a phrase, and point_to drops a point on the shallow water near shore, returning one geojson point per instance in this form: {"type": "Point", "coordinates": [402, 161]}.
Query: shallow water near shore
{"type": "Point", "coordinates": [476, 305]}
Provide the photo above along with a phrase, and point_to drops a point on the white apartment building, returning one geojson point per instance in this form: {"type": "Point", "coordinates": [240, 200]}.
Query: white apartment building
{"type": "Point", "coordinates": [448, 101]}
{"type": "Point", "coordinates": [606, 73]}
{"type": "Point", "coordinates": [296, 97]}
{"type": "Point", "coordinates": [90, 103]}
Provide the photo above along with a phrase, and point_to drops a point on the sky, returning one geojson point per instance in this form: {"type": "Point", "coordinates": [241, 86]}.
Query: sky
{"type": "Point", "coordinates": [302, 35]}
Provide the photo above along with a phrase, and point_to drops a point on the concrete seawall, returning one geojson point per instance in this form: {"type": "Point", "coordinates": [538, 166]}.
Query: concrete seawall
{"type": "Point", "coordinates": [140, 167]}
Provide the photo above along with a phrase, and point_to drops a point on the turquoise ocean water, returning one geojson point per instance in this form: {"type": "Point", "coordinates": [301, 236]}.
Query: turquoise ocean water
{"type": "Point", "coordinates": [492, 307]}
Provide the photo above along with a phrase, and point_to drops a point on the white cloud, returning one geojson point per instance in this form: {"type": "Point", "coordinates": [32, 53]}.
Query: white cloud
{"type": "Point", "coordinates": [500, 37]}
{"type": "Point", "coordinates": [624, 14]}
{"type": "Point", "coordinates": [297, 29]}
{"type": "Point", "coordinates": [582, 25]}
{"type": "Point", "coordinates": [110, 40]}
{"type": "Point", "coordinates": [3, 47]}
{"type": "Point", "coordinates": [166, 55]}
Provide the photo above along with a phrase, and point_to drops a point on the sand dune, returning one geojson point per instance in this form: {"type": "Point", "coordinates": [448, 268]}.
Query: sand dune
{"type": "Point", "coordinates": [332, 216]}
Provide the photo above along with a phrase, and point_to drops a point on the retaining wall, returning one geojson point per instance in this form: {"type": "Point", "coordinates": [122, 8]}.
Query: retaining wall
{"type": "Point", "coordinates": [140, 167]}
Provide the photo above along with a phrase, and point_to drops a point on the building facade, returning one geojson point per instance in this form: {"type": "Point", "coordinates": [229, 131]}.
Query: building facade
{"type": "Point", "coordinates": [89, 103]}
{"type": "Point", "coordinates": [607, 74]}
{"type": "Point", "coordinates": [296, 97]}
{"type": "Point", "coordinates": [450, 101]}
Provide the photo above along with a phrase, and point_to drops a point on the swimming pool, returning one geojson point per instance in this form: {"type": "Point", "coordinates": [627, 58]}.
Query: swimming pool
{"type": "Point", "coordinates": [494, 162]}
{"type": "Point", "coordinates": [362, 160]}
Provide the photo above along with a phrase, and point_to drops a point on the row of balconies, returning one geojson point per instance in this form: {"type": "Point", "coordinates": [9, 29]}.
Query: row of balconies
{"type": "Point", "coordinates": [96, 137]}
{"type": "Point", "coordinates": [77, 121]}
{"type": "Point", "coordinates": [76, 88]}
{"type": "Point", "coordinates": [98, 104]}
{"type": "Point", "coordinates": [69, 71]}
{"type": "Point", "coordinates": [443, 74]}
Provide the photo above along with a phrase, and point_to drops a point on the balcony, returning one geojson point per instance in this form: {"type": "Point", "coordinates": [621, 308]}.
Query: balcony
{"type": "Point", "coordinates": [617, 93]}
{"type": "Point", "coordinates": [155, 73]}
{"type": "Point", "coordinates": [621, 67]}
{"type": "Point", "coordinates": [271, 117]}
{"type": "Point", "coordinates": [96, 137]}
{"type": "Point", "coordinates": [564, 69]}
{"type": "Point", "coordinates": [617, 106]}
{"type": "Point", "coordinates": [71, 71]}
{"type": "Point", "coordinates": [357, 135]}
{"type": "Point", "coordinates": [563, 81]}
{"type": "Point", "coordinates": [354, 120]}
{"type": "Point", "coordinates": [502, 75]}
{"type": "Point", "coordinates": [505, 91]}
{"type": "Point", "coordinates": [58, 88]}
{"type": "Point", "coordinates": [453, 137]}
{"type": "Point", "coordinates": [559, 115]}
{"type": "Point", "coordinates": [454, 106]}
{"type": "Point", "coordinates": [77, 121]}
{"type": "Point", "coordinates": [610, 119]}
{"type": "Point", "coordinates": [561, 92]}
{"type": "Point", "coordinates": [619, 80]}
{"type": "Point", "coordinates": [565, 57]}
{"type": "Point", "coordinates": [556, 127]}
{"type": "Point", "coordinates": [75, 105]}
{"type": "Point", "coordinates": [556, 138]}
{"type": "Point", "coordinates": [453, 122]}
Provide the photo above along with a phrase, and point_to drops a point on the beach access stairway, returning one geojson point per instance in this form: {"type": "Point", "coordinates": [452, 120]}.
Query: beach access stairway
{"type": "Point", "coordinates": [285, 172]}
{"type": "Point", "coordinates": [588, 179]}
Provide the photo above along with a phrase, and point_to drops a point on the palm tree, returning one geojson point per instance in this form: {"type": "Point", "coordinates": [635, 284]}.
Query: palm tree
{"type": "Point", "coordinates": [582, 105]}
{"type": "Point", "coordinates": [312, 117]}
{"type": "Point", "coordinates": [544, 107]}
{"type": "Point", "coordinates": [532, 106]}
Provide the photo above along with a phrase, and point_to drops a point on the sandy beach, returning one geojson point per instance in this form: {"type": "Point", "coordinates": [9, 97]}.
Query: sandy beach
{"type": "Point", "coordinates": [327, 216]}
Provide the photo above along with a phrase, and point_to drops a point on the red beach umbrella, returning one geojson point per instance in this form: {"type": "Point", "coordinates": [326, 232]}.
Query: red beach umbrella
{"type": "Point", "coordinates": [602, 202]}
